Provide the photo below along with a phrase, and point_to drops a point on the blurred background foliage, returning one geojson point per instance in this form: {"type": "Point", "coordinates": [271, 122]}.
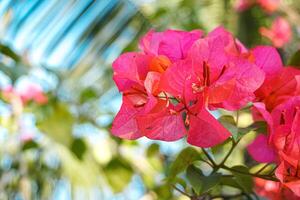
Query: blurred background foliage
{"type": "Point", "coordinates": [63, 149]}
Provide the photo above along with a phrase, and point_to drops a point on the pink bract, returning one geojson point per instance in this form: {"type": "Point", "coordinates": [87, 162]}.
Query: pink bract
{"type": "Point", "coordinates": [279, 33]}
{"type": "Point", "coordinates": [170, 87]}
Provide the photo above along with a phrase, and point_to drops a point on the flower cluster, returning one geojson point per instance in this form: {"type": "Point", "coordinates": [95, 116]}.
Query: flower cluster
{"type": "Point", "coordinates": [178, 77]}
{"type": "Point", "coordinates": [278, 105]}
{"type": "Point", "coordinates": [28, 92]}
{"type": "Point", "coordinates": [279, 33]}
{"type": "Point", "coordinates": [267, 5]}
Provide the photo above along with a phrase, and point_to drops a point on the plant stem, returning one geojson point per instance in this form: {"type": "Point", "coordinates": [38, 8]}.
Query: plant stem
{"type": "Point", "coordinates": [267, 177]}
{"type": "Point", "coordinates": [218, 166]}
{"type": "Point", "coordinates": [262, 169]}
{"type": "Point", "coordinates": [234, 144]}
{"type": "Point", "coordinates": [182, 192]}
{"type": "Point", "coordinates": [208, 157]}
{"type": "Point", "coordinates": [273, 170]}
{"type": "Point", "coordinates": [227, 196]}
{"type": "Point", "coordinates": [237, 118]}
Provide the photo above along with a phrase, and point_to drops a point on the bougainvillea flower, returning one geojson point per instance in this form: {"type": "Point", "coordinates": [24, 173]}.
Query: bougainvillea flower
{"type": "Point", "coordinates": [28, 92]}
{"type": "Point", "coordinates": [32, 92]}
{"type": "Point", "coordinates": [173, 44]}
{"type": "Point", "coordinates": [279, 87]}
{"type": "Point", "coordinates": [268, 59]}
{"type": "Point", "coordinates": [289, 177]}
{"type": "Point", "coordinates": [280, 32]}
{"type": "Point", "coordinates": [261, 151]}
{"type": "Point", "coordinates": [284, 139]}
{"type": "Point", "coordinates": [242, 5]}
{"type": "Point", "coordinates": [170, 87]}
{"type": "Point", "coordinates": [269, 5]}
{"type": "Point", "coordinates": [8, 93]}
{"type": "Point", "coordinates": [146, 110]}
{"type": "Point", "coordinates": [282, 125]}
{"type": "Point", "coordinates": [273, 190]}
{"type": "Point", "coordinates": [214, 75]}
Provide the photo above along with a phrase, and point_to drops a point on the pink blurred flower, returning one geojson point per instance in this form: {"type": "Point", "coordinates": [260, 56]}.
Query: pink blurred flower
{"type": "Point", "coordinates": [32, 92]}
{"type": "Point", "coordinates": [280, 32]}
{"type": "Point", "coordinates": [26, 136]}
{"type": "Point", "coordinates": [273, 190]}
{"type": "Point", "coordinates": [269, 5]}
{"type": "Point", "coordinates": [242, 5]}
{"type": "Point", "coordinates": [26, 93]}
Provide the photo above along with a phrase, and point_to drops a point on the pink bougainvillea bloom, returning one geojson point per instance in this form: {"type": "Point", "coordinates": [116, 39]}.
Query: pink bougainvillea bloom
{"type": "Point", "coordinates": [280, 32]}
{"type": "Point", "coordinates": [26, 93]}
{"type": "Point", "coordinates": [283, 138]}
{"type": "Point", "coordinates": [32, 92]}
{"type": "Point", "coordinates": [279, 87]}
{"type": "Point", "coordinates": [286, 138]}
{"type": "Point", "coordinates": [269, 5]}
{"type": "Point", "coordinates": [268, 59]}
{"type": "Point", "coordinates": [261, 151]}
{"type": "Point", "coordinates": [8, 92]}
{"type": "Point", "coordinates": [173, 44]}
{"type": "Point", "coordinates": [171, 85]}
{"type": "Point", "coordinates": [214, 75]}
{"type": "Point", "coordinates": [146, 109]}
{"type": "Point", "coordinates": [242, 5]}
{"type": "Point", "coordinates": [273, 190]}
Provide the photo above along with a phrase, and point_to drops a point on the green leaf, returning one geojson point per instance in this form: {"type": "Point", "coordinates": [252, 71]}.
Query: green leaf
{"type": "Point", "coordinates": [229, 123]}
{"type": "Point", "coordinates": [260, 126]}
{"type": "Point", "coordinates": [152, 150]}
{"type": "Point", "coordinates": [118, 173]}
{"type": "Point", "coordinates": [244, 180]}
{"type": "Point", "coordinates": [78, 147]}
{"type": "Point", "coordinates": [9, 52]}
{"type": "Point", "coordinates": [88, 94]}
{"type": "Point", "coordinates": [186, 157]}
{"type": "Point", "coordinates": [29, 145]}
{"type": "Point", "coordinates": [164, 192]}
{"type": "Point", "coordinates": [57, 123]}
{"type": "Point", "coordinates": [230, 181]}
{"type": "Point", "coordinates": [295, 60]}
{"type": "Point", "coordinates": [154, 157]}
{"type": "Point", "coordinates": [199, 182]}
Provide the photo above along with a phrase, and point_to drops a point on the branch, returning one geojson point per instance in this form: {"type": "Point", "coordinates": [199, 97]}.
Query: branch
{"type": "Point", "coordinates": [208, 157]}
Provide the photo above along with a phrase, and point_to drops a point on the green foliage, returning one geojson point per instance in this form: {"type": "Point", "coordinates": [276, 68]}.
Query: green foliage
{"type": "Point", "coordinates": [295, 60]}
{"type": "Point", "coordinates": [201, 183]}
{"type": "Point", "coordinates": [153, 155]}
{"type": "Point", "coordinates": [9, 52]}
{"type": "Point", "coordinates": [87, 95]}
{"type": "Point", "coordinates": [30, 145]}
{"type": "Point", "coordinates": [58, 123]}
{"type": "Point", "coordinates": [118, 173]}
{"type": "Point", "coordinates": [186, 157]}
{"type": "Point", "coordinates": [229, 123]}
{"type": "Point", "coordinates": [78, 147]}
{"type": "Point", "coordinates": [242, 178]}
{"type": "Point", "coordinates": [260, 126]}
